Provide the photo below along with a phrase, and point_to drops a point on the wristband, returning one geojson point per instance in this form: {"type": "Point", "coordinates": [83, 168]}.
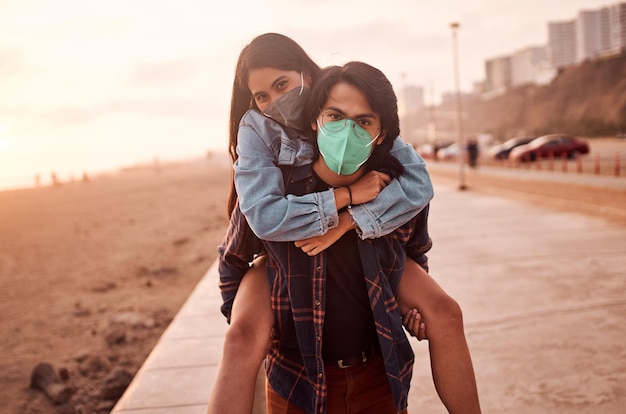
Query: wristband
{"type": "Point", "coordinates": [350, 194]}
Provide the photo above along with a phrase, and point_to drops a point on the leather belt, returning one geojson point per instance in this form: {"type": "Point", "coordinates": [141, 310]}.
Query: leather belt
{"type": "Point", "coordinates": [354, 360]}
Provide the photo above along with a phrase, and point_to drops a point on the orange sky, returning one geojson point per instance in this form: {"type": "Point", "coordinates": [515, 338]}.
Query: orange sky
{"type": "Point", "coordinates": [90, 85]}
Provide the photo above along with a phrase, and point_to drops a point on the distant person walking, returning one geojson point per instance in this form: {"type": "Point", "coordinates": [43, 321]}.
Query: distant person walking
{"type": "Point", "coordinates": [472, 151]}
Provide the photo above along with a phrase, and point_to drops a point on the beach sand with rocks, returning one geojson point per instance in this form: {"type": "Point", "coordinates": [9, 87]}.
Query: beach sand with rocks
{"type": "Point", "coordinates": [91, 273]}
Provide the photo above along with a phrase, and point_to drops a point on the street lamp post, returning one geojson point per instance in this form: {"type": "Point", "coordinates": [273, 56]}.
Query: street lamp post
{"type": "Point", "coordinates": [459, 115]}
{"type": "Point", "coordinates": [407, 111]}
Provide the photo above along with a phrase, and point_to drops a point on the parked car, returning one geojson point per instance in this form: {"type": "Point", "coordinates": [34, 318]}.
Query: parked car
{"type": "Point", "coordinates": [556, 145]}
{"type": "Point", "coordinates": [501, 151]}
{"type": "Point", "coordinates": [449, 152]}
{"type": "Point", "coordinates": [429, 150]}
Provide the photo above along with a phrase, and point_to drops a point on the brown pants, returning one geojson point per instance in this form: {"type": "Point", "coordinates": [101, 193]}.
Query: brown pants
{"type": "Point", "coordinates": [361, 389]}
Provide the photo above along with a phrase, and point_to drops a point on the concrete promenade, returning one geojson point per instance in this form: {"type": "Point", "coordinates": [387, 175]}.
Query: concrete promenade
{"type": "Point", "coordinates": [544, 300]}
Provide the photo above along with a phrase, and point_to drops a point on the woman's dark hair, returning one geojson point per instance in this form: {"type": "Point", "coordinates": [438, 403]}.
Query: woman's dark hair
{"type": "Point", "coordinates": [381, 98]}
{"type": "Point", "coordinates": [267, 50]}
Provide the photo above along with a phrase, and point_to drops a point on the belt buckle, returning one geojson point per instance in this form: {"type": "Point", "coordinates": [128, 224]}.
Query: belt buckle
{"type": "Point", "coordinates": [341, 365]}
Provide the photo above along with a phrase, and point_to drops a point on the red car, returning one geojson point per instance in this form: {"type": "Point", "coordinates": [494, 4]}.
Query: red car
{"type": "Point", "coordinates": [556, 145]}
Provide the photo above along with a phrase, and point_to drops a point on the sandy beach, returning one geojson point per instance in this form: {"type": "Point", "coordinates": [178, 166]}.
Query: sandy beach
{"type": "Point", "coordinates": [91, 273]}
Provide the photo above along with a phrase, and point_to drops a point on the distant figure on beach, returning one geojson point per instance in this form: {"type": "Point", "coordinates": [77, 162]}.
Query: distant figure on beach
{"type": "Point", "coordinates": [53, 178]}
{"type": "Point", "coordinates": [85, 177]}
{"type": "Point", "coordinates": [37, 180]}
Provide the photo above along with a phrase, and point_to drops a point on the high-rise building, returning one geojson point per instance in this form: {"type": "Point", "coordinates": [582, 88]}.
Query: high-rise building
{"type": "Point", "coordinates": [617, 27]}
{"type": "Point", "coordinates": [592, 33]}
{"type": "Point", "coordinates": [410, 100]}
{"type": "Point", "coordinates": [497, 75]}
{"type": "Point", "coordinates": [531, 65]}
{"type": "Point", "coordinates": [562, 43]}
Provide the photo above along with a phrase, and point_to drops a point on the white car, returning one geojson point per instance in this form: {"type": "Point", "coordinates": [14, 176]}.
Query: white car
{"type": "Point", "coordinates": [448, 153]}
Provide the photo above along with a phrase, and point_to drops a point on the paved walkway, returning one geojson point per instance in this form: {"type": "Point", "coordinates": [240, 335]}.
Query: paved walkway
{"type": "Point", "coordinates": [544, 299]}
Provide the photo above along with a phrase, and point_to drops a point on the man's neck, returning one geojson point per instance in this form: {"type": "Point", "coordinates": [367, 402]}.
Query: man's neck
{"type": "Point", "coordinates": [333, 179]}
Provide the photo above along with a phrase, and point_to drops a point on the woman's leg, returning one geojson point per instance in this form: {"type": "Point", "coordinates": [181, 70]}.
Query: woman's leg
{"type": "Point", "coordinates": [451, 363]}
{"type": "Point", "coordinates": [245, 345]}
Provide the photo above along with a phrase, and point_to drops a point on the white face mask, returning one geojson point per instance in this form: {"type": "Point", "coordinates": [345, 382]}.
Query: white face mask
{"type": "Point", "coordinates": [287, 110]}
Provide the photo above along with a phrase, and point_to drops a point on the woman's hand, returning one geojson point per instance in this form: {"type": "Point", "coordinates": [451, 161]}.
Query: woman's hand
{"type": "Point", "coordinates": [412, 321]}
{"type": "Point", "coordinates": [369, 186]}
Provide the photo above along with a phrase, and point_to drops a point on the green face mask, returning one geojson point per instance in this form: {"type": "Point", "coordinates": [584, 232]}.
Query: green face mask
{"type": "Point", "coordinates": [344, 145]}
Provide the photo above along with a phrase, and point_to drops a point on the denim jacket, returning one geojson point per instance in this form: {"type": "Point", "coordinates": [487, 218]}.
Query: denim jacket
{"type": "Point", "coordinates": [264, 146]}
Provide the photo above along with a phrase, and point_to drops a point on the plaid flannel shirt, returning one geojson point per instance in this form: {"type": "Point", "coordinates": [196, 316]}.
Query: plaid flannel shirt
{"type": "Point", "coordinates": [294, 367]}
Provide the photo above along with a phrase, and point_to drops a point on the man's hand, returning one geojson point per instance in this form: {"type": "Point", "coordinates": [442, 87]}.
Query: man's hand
{"type": "Point", "coordinates": [412, 321]}
{"type": "Point", "coordinates": [318, 244]}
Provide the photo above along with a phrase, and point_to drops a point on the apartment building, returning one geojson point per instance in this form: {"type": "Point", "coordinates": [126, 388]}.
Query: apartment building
{"type": "Point", "coordinates": [562, 43]}
{"type": "Point", "coordinates": [531, 65]}
{"type": "Point", "coordinates": [617, 27]}
{"type": "Point", "coordinates": [592, 34]}
{"type": "Point", "coordinates": [497, 75]}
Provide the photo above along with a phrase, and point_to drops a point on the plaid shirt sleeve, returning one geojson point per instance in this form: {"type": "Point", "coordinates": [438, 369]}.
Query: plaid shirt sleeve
{"type": "Point", "coordinates": [419, 241]}
{"type": "Point", "coordinates": [238, 249]}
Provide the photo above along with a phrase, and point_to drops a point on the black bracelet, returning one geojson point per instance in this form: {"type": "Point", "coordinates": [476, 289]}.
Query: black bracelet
{"type": "Point", "coordinates": [350, 194]}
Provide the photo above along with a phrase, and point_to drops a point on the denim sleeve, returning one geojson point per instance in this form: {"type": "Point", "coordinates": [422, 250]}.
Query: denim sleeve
{"type": "Point", "coordinates": [272, 215]}
{"type": "Point", "coordinates": [399, 201]}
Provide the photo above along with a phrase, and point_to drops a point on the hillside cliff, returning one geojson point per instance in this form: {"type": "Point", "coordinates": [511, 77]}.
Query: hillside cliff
{"type": "Point", "coordinates": [586, 100]}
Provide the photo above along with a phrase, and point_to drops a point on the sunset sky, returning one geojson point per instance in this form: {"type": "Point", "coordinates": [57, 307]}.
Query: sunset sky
{"type": "Point", "coordinates": [91, 85]}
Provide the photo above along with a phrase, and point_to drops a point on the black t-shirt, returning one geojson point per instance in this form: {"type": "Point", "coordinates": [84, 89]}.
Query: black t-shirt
{"type": "Point", "coordinates": [349, 323]}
